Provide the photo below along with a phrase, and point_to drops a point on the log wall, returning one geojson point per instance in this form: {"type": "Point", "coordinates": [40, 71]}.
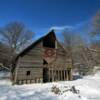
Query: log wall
{"type": "Point", "coordinates": [29, 68]}
{"type": "Point", "coordinates": [31, 61]}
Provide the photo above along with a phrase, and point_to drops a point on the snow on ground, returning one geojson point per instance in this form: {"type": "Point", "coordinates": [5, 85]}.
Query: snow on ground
{"type": "Point", "coordinates": [89, 89]}
{"type": "Point", "coordinates": [4, 74]}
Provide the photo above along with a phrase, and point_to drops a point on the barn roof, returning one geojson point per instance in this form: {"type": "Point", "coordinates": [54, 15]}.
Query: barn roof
{"type": "Point", "coordinates": [34, 43]}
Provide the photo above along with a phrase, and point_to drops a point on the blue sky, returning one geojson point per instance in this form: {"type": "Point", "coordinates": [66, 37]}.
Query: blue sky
{"type": "Point", "coordinates": [40, 15]}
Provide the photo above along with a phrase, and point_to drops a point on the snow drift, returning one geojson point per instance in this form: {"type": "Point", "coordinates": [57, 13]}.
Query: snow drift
{"type": "Point", "coordinates": [88, 87]}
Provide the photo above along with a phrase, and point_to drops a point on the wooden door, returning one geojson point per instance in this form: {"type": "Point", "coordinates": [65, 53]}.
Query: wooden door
{"type": "Point", "coordinates": [45, 75]}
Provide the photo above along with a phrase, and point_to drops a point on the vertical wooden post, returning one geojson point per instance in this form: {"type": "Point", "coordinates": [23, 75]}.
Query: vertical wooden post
{"type": "Point", "coordinates": [56, 44]}
{"type": "Point", "coordinates": [67, 74]}
{"type": "Point", "coordinates": [57, 74]}
{"type": "Point", "coordinates": [61, 74]}
{"type": "Point", "coordinates": [71, 77]}
{"type": "Point", "coordinates": [16, 71]}
{"type": "Point", "coordinates": [49, 74]}
{"type": "Point", "coordinates": [64, 75]}
{"type": "Point", "coordinates": [52, 75]}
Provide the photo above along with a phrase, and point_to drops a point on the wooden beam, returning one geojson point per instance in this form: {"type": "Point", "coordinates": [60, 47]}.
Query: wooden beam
{"type": "Point", "coordinates": [53, 74]}
{"type": "Point", "coordinates": [64, 75]}
{"type": "Point", "coordinates": [61, 75]}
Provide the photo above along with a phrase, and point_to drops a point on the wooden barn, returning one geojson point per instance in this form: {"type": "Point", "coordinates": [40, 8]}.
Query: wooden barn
{"type": "Point", "coordinates": [45, 60]}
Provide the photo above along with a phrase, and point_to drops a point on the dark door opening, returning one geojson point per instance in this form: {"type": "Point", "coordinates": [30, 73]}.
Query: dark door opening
{"type": "Point", "coordinates": [69, 74]}
{"type": "Point", "coordinates": [44, 62]}
{"type": "Point", "coordinates": [45, 75]}
{"type": "Point", "coordinates": [63, 75]}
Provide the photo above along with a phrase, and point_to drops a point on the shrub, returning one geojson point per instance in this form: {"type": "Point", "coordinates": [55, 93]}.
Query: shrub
{"type": "Point", "coordinates": [55, 90]}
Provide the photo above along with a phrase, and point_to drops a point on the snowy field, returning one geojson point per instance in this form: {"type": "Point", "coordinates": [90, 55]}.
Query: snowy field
{"type": "Point", "coordinates": [88, 87]}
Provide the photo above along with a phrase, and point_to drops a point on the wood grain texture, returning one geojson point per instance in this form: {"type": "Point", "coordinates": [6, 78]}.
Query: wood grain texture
{"type": "Point", "coordinates": [33, 61]}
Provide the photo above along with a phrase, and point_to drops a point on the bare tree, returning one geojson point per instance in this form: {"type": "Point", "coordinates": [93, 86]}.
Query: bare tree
{"type": "Point", "coordinates": [4, 51]}
{"type": "Point", "coordinates": [96, 24]}
{"type": "Point", "coordinates": [72, 42]}
{"type": "Point", "coordinates": [80, 55]}
{"type": "Point", "coordinates": [95, 37]}
{"type": "Point", "coordinates": [68, 42]}
{"type": "Point", "coordinates": [15, 35]}
{"type": "Point", "coordinates": [95, 33]}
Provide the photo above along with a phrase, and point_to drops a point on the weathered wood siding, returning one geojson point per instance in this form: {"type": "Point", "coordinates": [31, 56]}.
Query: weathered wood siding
{"type": "Point", "coordinates": [34, 66]}
{"type": "Point", "coordinates": [32, 61]}
{"type": "Point", "coordinates": [62, 57]}
{"type": "Point", "coordinates": [61, 68]}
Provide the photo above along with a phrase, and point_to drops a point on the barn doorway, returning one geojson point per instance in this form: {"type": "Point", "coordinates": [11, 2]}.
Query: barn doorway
{"type": "Point", "coordinates": [45, 75]}
{"type": "Point", "coordinates": [69, 74]}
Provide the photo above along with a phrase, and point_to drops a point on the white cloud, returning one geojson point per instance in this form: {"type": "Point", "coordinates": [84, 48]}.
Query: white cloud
{"type": "Point", "coordinates": [60, 28]}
